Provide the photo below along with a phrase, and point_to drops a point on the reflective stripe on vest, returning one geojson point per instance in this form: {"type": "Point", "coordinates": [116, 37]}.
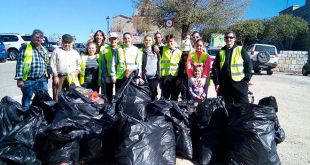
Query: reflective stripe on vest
{"type": "Point", "coordinates": [131, 62]}
{"type": "Point", "coordinates": [236, 63]}
{"type": "Point", "coordinates": [28, 59]}
{"type": "Point", "coordinates": [83, 68]}
{"type": "Point", "coordinates": [170, 62]}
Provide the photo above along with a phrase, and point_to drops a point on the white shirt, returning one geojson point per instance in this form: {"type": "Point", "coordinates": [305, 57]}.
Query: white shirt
{"type": "Point", "coordinates": [65, 62]}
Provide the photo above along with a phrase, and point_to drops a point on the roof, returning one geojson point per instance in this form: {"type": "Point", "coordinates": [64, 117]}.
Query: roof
{"type": "Point", "coordinates": [120, 15]}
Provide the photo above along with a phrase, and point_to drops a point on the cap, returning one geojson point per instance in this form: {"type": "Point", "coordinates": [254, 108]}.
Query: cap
{"type": "Point", "coordinates": [37, 31]}
{"type": "Point", "coordinates": [67, 38]}
{"type": "Point", "coordinates": [113, 35]}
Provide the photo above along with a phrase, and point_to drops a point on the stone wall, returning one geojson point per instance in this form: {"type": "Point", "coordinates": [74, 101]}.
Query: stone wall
{"type": "Point", "coordinates": [292, 61]}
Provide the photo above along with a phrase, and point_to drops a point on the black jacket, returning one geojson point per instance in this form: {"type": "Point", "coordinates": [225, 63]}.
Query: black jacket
{"type": "Point", "coordinates": [223, 76]}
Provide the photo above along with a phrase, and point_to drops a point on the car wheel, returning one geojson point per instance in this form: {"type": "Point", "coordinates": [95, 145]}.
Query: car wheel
{"type": "Point", "coordinates": [257, 71]}
{"type": "Point", "coordinates": [269, 72]}
{"type": "Point", "coordinates": [13, 54]}
{"type": "Point", "coordinates": [304, 71]}
{"type": "Point", "coordinates": [263, 57]}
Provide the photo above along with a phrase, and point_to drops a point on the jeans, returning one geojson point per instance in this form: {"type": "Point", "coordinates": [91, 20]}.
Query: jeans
{"type": "Point", "coordinates": [30, 87]}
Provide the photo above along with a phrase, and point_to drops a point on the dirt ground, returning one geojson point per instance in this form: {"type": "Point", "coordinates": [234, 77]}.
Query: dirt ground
{"type": "Point", "coordinates": [293, 96]}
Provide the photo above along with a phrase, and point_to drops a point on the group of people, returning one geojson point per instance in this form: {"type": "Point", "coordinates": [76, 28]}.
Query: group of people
{"type": "Point", "coordinates": [107, 65]}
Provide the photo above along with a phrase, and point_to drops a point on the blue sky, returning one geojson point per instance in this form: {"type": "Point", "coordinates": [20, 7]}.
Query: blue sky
{"type": "Point", "coordinates": [79, 17]}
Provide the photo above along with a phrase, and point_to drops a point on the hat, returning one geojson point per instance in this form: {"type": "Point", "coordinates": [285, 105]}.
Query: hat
{"type": "Point", "coordinates": [37, 31]}
{"type": "Point", "coordinates": [113, 35]}
{"type": "Point", "coordinates": [67, 38]}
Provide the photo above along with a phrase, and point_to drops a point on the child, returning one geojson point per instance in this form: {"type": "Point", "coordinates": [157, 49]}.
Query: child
{"type": "Point", "coordinates": [198, 86]}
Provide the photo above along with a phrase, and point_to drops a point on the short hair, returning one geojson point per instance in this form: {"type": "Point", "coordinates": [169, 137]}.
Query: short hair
{"type": "Point", "coordinates": [230, 31]}
{"type": "Point", "coordinates": [157, 33]}
{"type": "Point", "coordinates": [126, 34]}
{"type": "Point", "coordinates": [170, 36]}
{"type": "Point", "coordinates": [147, 36]}
{"type": "Point", "coordinates": [37, 31]}
{"type": "Point", "coordinates": [195, 33]}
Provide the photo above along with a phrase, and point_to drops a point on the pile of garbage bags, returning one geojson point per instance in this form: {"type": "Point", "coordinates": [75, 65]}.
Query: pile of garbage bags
{"type": "Point", "coordinates": [133, 130]}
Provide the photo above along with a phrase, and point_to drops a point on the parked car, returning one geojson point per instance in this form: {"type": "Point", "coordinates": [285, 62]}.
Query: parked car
{"type": "Point", "coordinates": [51, 46]}
{"type": "Point", "coordinates": [3, 54]}
{"type": "Point", "coordinates": [80, 47]}
{"type": "Point", "coordinates": [213, 51]}
{"type": "Point", "coordinates": [306, 68]}
{"type": "Point", "coordinates": [264, 57]}
{"type": "Point", "coordinates": [12, 42]}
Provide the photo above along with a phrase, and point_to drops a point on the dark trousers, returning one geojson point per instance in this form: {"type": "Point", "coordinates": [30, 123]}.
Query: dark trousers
{"type": "Point", "coordinates": [119, 83]}
{"type": "Point", "coordinates": [109, 91]}
{"type": "Point", "coordinates": [184, 89]}
{"type": "Point", "coordinates": [153, 84]}
{"type": "Point", "coordinates": [236, 92]}
{"type": "Point", "coordinates": [170, 90]}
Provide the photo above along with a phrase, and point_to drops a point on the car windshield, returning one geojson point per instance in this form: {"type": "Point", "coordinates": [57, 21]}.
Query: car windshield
{"type": "Point", "coordinates": [26, 38]}
{"type": "Point", "coordinates": [264, 48]}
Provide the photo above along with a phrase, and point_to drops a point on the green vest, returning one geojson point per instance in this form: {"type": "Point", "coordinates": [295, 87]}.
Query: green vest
{"type": "Point", "coordinates": [83, 68]}
{"type": "Point", "coordinates": [201, 61]}
{"type": "Point", "coordinates": [170, 62]}
{"type": "Point", "coordinates": [28, 60]}
{"type": "Point", "coordinates": [236, 63]}
{"type": "Point", "coordinates": [100, 58]}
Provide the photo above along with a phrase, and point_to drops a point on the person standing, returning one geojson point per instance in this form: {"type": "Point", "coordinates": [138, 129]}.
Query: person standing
{"type": "Point", "coordinates": [109, 63]}
{"type": "Point", "coordinates": [158, 40]}
{"type": "Point", "coordinates": [150, 66]}
{"type": "Point", "coordinates": [170, 61]}
{"type": "Point", "coordinates": [31, 68]}
{"type": "Point", "coordinates": [231, 71]}
{"type": "Point", "coordinates": [65, 63]}
{"type": "Point", "coordinates": [89, 68]}
{"type": "Point", "coordinates": [198, 86]}
{"type": "Point", "coordinates": [129, 59]}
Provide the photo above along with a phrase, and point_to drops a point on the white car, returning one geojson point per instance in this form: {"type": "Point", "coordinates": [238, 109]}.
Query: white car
{"type": "Point", "coordinates": [264, 57]}
{"type": "Point", "coordinates": [12, 43]}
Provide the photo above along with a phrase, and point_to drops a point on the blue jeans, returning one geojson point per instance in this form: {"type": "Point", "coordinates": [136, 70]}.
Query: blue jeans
{"type": "Point", "coordinates": [31, 86]}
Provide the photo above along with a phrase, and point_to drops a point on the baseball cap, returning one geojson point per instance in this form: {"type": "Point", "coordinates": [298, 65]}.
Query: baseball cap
{"type": "Point", "coordinates": [113, 35]}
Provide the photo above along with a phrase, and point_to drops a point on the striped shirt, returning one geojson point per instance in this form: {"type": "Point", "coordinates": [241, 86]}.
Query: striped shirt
{"type": "Point", "coordinates": [38, 64]}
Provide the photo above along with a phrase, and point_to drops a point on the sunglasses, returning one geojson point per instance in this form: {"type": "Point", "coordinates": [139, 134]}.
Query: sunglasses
{"type": "Point", "coordinates": [229, 37]}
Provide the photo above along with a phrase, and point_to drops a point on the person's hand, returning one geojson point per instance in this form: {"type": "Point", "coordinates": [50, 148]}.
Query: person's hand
{"type": "Point", "coordinates": [217, 87]}
{"type": "Point", "coordinates": [250, 83]}
{"type": "Point", "coordinates": [76, 72]}
{"type": "Point", "coordinates": [20, 83]}
{"type": "Point", "coordinates": [141, 81]}
{"type": "Point", "coordinates": [113, 80]}
{"type": "Point", "coordinates": [178, 82]}
{"type": "Point", "coordinates": [56, 80]}
{"type": "Point", "coordinates": [156, 49]}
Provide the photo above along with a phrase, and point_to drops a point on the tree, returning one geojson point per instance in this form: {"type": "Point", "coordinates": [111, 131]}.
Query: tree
{"type": "Point", "coordinates": [187, 14]}
{"type": "Point", "coordinates": [249, 30]}
{"type": "Point", "coordinates": [284, 27]}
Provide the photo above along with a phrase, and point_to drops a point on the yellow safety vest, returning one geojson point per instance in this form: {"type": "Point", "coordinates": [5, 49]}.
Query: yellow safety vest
{"type": "Point", "coordinates": [28, 60]}
{"type": "Point", "coordinates": [201, 61]}
{"type": "Point", "coordinates": [170, 62]}
{"type": "Point", "coordinates": [236, 63]}
{"type": "Point", "coordinates": [83, 68]}
{"type": "Point", "coordinates": [131, 62]}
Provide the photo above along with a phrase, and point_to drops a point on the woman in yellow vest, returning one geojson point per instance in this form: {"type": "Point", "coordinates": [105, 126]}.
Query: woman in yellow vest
{"type": "Point", "coordinates": [89, 68]}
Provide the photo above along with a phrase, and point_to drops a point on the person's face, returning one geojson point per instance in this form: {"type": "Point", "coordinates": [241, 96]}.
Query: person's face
{"type": "Point", "coordinates": [66, 45]}
{"type": "Point", "coordinates": [195, 37]}
{"type": "Point", "coordinates": [171, 43]}
{"type": "Point", "coordinates": [197, 72]}
{"type": "Point", "coordinates": [91, 49]}
{"type": "Point", "coordinates": [148, 41]}
{"type": "Point", "coordinates": [230, 39]}
{"type": "Point", "coordinates": [37, 39]}
{"type": "Point", "coordinates": [158, 38]}
{"type": "Point", "coordinates": [127, 40]}
{"type": "Point", "coordinates": [113, 42]}
{"type": "Point", "coordinates": [99, 38]}
{"type": "Point", "coordinates": [199, 46]}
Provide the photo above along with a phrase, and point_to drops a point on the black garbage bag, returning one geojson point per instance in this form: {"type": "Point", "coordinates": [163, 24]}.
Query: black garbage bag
{"type": "Point", "coordinates": [143, 143]}
{"type": "Point", "coordinates": [16, 147]}
{"type": "Point", "coordinates": [251, 135]}
{"type": "Point", "coordinates": [132, 99]}
{"type": "Point", "coordinates": [207, 131]}
{"type": "Point", "coordinates": [11, 113]}
{"type": "Point", "coordinates": [43, 100]}
{"type": "Point", "coordinates": [272, 102]}
{"type": "Point", "coordinates": [179, 117]}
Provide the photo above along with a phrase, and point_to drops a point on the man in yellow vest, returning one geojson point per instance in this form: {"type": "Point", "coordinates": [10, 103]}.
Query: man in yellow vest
{"type": "Point", "coordinates": [232, 71]}
{"type": "Point", "coordinates": [170, 74]}
{"type": "Point", "coordinates": [31, 68]}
